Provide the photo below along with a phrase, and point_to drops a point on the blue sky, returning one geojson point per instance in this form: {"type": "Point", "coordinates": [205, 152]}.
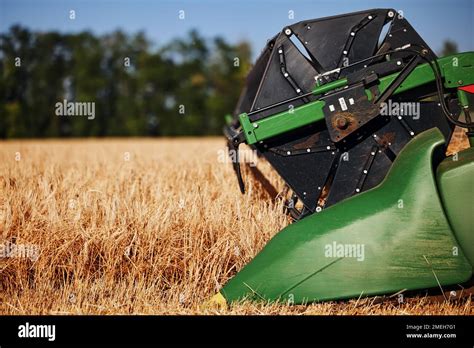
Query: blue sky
{"type": "Point", "coordinates": [255, 21]}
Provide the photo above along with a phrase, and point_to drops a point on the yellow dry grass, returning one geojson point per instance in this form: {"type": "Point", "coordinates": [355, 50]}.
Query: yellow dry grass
{"type": "Point", "coordinates": [140, 226]}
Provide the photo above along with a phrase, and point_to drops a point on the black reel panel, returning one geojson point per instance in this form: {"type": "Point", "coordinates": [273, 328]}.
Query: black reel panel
{"type": "Point", "coordinates": [321, 163]}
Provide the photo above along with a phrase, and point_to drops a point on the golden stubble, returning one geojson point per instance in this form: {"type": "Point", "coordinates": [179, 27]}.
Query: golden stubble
{"type": "Point", "coordinates": [141, 226]}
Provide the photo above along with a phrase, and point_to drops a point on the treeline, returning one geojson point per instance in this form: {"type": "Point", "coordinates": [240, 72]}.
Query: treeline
{"type": "Point", "coordinates": [182, 88]}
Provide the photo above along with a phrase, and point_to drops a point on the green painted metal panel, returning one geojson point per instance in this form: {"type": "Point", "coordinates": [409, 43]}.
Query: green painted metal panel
{"type": "Point", "coordinates": [282, 122]}
{"type": "Point", "coordinates": [421, 75]}
{"type": "Point", "coordinates": [393, 237]}
{"type": "Point", "coordinates": [329, 86]}
{"type": "Point", "coordinates": [458, 70]}
{"type": "Point", "coordinates": [248, 129]}
{"type": "Point", "coordinates": [463, 98]}
{"type": "Point", "coordinates": [455, 176]}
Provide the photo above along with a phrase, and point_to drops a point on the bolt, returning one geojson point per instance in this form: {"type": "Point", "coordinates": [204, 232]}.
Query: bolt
{"type": "Point", "coordinates": [460, 82]}
{"type": "Point", "coordinates": [288, 152]}
{"type": "Point", "coordinates": [391, 14]}
{"type": "Point", "coordinates": [342, 122]}
{"type": "Point", "coordinates": [288, 31]}
{"type": "Point", "coordinates": [255, 125]}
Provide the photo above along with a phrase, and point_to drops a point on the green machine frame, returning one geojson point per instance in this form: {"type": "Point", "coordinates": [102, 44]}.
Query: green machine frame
{"type": "Point", "coordinates": [457, 70]}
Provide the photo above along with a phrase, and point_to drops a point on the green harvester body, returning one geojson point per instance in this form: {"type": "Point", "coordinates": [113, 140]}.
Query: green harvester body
{"type": "Point", "coordinates": [413, 231]}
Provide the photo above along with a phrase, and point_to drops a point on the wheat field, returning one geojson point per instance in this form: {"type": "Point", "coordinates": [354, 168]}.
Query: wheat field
{"type": "Point", "coordinates": [142, 226]}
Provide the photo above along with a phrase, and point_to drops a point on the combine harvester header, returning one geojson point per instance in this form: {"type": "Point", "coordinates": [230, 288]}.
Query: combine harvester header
{"type": "Point", "coordinates": [355, 113]}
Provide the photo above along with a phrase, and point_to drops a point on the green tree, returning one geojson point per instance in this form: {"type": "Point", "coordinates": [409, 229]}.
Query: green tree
{"type": "Point", "coordinates": [182, 88]}
{"type": "Point", "coordinates": [449, 47]}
